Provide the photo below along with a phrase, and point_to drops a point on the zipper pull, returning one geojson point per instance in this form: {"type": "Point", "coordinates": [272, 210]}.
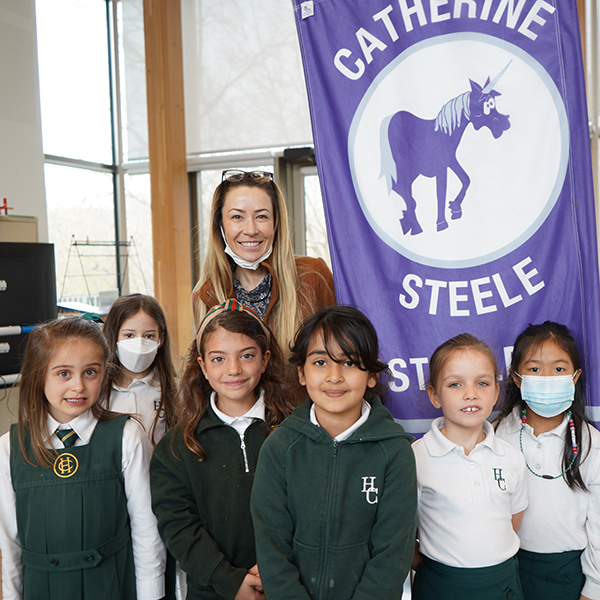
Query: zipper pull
{"type": "Point", "coordinates": [335, 447]}
{"type": "Point", "coordinates": [243, 447]}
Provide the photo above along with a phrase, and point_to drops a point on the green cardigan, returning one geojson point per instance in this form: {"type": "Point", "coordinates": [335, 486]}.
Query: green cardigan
{"type": "Point", "coordinates": [335, 520]}
{"type": "Point", "coordinates": [203, 508]}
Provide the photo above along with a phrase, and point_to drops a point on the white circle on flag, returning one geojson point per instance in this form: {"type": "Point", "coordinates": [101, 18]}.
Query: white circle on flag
{"type": "Point", "coordinates": [515, 178]}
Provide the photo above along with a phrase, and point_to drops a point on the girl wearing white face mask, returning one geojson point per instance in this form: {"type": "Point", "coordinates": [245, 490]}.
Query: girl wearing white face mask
{"type": "Point", "coordinates": [142, 375]}
{"type": "Point", "coordinates": [544, 416]}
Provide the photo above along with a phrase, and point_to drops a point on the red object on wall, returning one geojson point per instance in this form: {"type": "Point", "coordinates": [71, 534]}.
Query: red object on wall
{"type": "Point", "coordinates": [5, 207]}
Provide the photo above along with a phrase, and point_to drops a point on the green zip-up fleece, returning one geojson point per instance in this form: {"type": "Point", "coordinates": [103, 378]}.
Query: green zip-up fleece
{"type": "Point", "coordinates": [335, 520]}
{"type": "Point", "coordinates": [203, 508]}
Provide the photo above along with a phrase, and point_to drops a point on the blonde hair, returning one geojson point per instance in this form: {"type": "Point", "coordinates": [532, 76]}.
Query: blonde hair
{"type": "Point", "coordinates": [286, 314]}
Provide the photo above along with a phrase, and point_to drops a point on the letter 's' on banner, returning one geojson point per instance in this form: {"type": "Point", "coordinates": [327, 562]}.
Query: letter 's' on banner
{"type": "Point", "coordinates": [453, 151]}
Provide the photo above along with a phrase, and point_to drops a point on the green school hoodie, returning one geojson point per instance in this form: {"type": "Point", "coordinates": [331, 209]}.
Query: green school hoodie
{"type": "Point", "coordinates": [335, 520]}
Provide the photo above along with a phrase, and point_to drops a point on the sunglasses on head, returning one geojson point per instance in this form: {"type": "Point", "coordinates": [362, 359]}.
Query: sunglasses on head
{"type": "Point", "coordinates": [238, 175]}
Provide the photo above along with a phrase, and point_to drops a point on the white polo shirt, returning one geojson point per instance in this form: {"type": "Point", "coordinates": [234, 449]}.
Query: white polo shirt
{"type": "Point", "coordinates": [365, 411]}
{"type": "Point", "coordinates": [141, 399]}
{"type": "Point", "coordinates": [560, 518]}
{"type": "Point", "coordinates": [240, 424]}
{"type": "Point", "coordinates": [466, 503]}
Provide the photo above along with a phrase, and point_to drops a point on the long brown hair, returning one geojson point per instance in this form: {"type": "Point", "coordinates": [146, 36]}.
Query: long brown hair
{"type": "Point", "coordinates": [124, 308]}
{"type": "Point", "coordinates": [44, 341]}
{"type": "Point", "coordinates": [195, 390]}
{"type": "Point", "coordinates": [286, 315]}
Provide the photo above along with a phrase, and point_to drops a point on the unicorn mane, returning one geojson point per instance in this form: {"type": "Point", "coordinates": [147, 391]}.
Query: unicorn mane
{"type": "Point", "coordinates": [451, 113]}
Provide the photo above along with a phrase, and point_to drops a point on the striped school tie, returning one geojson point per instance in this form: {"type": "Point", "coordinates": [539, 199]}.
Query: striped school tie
{"type": "Point", "coordinates": [67, 436]}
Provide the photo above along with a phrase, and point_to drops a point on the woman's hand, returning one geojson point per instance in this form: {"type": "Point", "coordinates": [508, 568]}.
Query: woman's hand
{"type": "Point", "coordinates": [251, 588]}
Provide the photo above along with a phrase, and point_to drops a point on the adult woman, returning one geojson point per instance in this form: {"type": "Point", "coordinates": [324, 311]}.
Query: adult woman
{"type": "Point", "coordinates": [249, 224]}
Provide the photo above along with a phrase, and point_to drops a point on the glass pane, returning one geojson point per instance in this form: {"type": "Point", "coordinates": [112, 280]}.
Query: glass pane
{"type": "Point", "coordinates": [132, 63]}
{"type": "Point", "coordinates": [208, 180]}
{"type": "Point", "coordinates": [316, 230]}
{"type": "Point", "coordinates": [138, 215]}
{"type": "Point", "coordinates": [74, 79]}
{"type": "Point", "coordinates": [81, 209]}
{"type": "Point", "coordinates": [244, 83]}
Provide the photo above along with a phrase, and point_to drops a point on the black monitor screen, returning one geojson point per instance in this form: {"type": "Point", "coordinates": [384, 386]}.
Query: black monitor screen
{"type": "Point", "coordinates": [27, 295]}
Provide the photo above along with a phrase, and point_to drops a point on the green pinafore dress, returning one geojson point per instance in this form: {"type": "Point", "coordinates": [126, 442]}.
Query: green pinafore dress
{"type": "Point", "coordinates": [72, 520]}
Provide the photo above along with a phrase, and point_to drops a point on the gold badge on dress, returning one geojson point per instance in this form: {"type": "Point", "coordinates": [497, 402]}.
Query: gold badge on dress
{"type": "Point", "coordinates": [65, 465]}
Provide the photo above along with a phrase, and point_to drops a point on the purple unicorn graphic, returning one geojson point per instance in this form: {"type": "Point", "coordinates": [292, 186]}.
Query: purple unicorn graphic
{"type": "Point", "coordinates": [411, 146]}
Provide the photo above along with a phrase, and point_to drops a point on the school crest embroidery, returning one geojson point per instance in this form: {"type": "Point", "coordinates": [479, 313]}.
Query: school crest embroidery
{"type": "Point", "coordinates": [369, 490]}
{"type": "Point", "coordinates": [499, 479]}
{"type": "Point", "coordinates": [66, 465]}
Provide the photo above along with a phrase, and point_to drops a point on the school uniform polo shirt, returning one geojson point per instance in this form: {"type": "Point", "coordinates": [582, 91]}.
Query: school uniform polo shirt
{"type": "Point", "coordinates": [365, 411]}
{"type": "Point", "coordinates": [141, 398]}
{"type": "Point", "coordinates": [240, 424]}
{"type": "Point", "coordinates": [466, 502]}
{"type": "Point", "coordinates": [560, 518]}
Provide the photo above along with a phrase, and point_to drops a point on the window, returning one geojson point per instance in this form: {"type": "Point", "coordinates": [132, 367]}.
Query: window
{"type": "Point", "coordinates": [98, 206]}
{"type": "Point", "coordinates": [95, 137]}
{"type": "Point", "coordinates": [314, 216]}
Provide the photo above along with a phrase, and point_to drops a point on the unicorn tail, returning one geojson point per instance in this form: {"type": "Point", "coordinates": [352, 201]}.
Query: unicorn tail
{"type": "Point", "coordinates": [388, 166]}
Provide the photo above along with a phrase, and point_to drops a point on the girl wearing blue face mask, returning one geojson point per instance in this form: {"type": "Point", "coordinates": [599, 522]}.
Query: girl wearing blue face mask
{"type": "Point", "coordinates": [543, 416]}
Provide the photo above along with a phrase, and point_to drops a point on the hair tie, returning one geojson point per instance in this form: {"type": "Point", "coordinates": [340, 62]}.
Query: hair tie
{"type": "Point", "coordinates": [230, 305]}
{"type": "Point", "coordinates": [94, 318]}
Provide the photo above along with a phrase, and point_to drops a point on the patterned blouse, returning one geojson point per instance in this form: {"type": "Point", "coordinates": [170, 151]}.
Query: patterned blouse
{"type": "Point", "coordinates": [257, 299]}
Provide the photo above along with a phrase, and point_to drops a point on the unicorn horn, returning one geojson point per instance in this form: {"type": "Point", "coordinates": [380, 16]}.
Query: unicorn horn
{"type": "Point", "coordinates": [492, 84]}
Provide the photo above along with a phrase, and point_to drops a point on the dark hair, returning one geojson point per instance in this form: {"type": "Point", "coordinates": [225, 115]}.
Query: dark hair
{"type": "Point", "coordinates": [195, 390]}
{"type": "Point", "coordinates": [532, 339]}
{"type": "Point", "coordinates": [463, 341]}
{"type": "Point", "coordinates": [352, 331]}
{"type": "Point", "coordinates": [42, 345]}
{"type": "Point", "coordinates": [129, 306]}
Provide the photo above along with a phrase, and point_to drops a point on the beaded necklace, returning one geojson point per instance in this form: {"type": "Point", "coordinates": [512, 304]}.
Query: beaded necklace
{"type": "Point", "coordinates": [573, 442]}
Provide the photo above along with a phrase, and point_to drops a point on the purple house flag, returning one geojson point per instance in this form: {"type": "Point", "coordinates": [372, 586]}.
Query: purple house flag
{"type": "Point", "coordinates": [453, 149]}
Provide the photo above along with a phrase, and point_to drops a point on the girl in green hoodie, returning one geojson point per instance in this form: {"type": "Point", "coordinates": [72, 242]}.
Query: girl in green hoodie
{"type": "Point", "coordinates": [335, 497]}
{"type": "Point", "coordinates": [202, 470]}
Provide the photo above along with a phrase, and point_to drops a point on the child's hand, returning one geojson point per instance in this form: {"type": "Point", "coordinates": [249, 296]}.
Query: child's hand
{"type": "Point", "coordinates": [417, 557]}
{"type": "Point", "coordinates": [254, 571]}
{"type": "Point", "coordinates": [251, 588]}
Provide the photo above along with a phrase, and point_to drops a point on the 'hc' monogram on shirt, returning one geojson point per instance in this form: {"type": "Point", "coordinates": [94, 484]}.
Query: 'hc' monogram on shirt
{"type": "Point", "coordinates": [499, 479]}
{"type": "Point", "coordinates": [369, 488]}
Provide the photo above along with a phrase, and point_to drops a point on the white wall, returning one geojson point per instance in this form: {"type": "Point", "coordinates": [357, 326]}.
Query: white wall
{"type": "Point", "coordinates": [21, 155]}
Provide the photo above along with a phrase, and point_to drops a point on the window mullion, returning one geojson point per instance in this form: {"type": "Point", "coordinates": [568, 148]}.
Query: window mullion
{"type": "Point", "coordinates": [117, 143]}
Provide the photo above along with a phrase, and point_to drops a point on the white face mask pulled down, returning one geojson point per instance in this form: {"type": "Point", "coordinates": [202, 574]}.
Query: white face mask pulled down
{"type": "Point", "coordinates": [239, 261]}
{"type": "Point", "coordinates": [137, 354]}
